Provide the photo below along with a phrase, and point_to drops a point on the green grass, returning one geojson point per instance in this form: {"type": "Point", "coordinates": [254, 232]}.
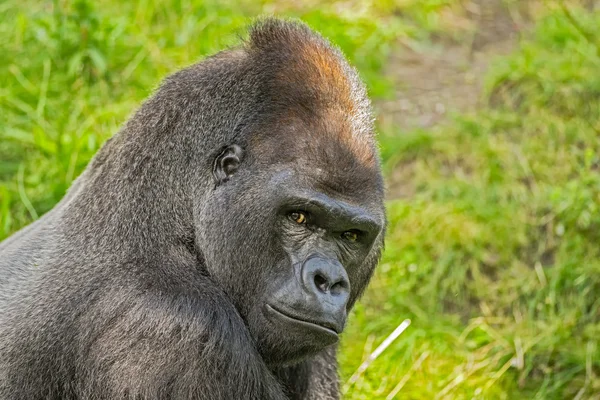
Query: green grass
{"type": "Point", "coordinates": [496, 256]}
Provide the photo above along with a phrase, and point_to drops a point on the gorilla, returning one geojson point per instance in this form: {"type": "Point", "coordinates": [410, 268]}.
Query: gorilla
{"type": "Point", "coordinates": [213, 247]}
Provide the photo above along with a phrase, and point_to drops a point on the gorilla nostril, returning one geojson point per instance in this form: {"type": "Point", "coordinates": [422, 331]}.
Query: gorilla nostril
{"type": "Point", "coordinates": [321, 282]}
{"type": "Point", "coordinates": [339, 287]}
{"type": "Point", "coordinates": [325, 277]}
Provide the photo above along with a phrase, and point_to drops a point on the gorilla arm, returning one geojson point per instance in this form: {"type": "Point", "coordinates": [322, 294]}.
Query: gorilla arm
{"type": "Point", "coordinates": [314, 379]}
{"type": "Point", "coordinates": [159, 345]}
{"type": "Point", "coordinates": [324, 382]}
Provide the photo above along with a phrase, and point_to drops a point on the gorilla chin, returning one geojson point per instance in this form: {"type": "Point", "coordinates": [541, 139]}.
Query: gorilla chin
{"type": "Point", "coordinates": [292, 339]}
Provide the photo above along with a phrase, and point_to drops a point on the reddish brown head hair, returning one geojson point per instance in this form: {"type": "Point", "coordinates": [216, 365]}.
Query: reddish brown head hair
{"type": "Point", "coordinates": [310, 79]}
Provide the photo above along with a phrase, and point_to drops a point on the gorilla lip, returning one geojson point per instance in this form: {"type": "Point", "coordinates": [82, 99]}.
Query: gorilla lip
{"type": "Point", "coordinates": [323, 326]}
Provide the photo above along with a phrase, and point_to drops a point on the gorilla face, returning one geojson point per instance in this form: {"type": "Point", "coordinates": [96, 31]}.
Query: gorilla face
{"type": "Point", "coordinates": [296, 243]}
{"type": "Point", "coordinates": [324, 239]}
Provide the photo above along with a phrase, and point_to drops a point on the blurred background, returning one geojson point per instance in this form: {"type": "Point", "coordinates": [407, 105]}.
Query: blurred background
{"type": "Point", "coordinates": [488, 119]}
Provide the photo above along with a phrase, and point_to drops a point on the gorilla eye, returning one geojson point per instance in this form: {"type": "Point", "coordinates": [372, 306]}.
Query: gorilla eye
{"type": "Point", "coordinates": [351, 236]}
{"type": "Point", "coordinates": [298, 217]}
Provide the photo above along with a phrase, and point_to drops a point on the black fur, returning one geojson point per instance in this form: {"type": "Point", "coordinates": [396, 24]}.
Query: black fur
{"type": "Point", "coordinates": [145, 280]}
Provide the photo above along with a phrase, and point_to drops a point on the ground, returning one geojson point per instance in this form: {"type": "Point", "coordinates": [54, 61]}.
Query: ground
{"type": "Point", "coordinates": [446, 75]}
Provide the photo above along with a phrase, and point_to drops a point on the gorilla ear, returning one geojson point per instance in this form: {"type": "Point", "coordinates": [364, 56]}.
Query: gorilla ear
{"type": "Point", "coordinates": [227, 163]}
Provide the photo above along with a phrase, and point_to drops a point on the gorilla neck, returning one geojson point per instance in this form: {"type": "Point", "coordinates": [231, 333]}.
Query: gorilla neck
{"type": "Point", "coordinates": [129, 209]}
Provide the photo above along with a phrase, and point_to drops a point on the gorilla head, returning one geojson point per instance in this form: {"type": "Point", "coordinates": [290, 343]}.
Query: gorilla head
{"type": "Point", "coordinates": [291, 230]}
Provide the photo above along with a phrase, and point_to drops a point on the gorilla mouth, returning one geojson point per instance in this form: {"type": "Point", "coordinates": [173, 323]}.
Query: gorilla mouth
{"type": "Point", "coordinates": [324, 326]}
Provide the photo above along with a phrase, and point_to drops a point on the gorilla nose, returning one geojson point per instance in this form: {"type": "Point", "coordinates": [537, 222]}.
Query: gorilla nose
{"type": "Point", "coordinates": [328, 281]}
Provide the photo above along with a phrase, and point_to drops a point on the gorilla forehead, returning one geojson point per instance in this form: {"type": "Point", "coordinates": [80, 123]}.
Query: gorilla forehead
{"type": "Point", "coordinates": [306, 182]}
{"type": "Point", "coordinates": [321, 156]}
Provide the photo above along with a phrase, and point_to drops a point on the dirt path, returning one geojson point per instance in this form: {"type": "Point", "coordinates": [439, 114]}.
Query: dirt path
{"type": "Point", "coordinates": [446, 76]}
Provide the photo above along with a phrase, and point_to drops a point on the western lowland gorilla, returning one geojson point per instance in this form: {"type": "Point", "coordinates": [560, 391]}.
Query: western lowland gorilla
{"type": "Point", "coordinates": [213, 247]}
